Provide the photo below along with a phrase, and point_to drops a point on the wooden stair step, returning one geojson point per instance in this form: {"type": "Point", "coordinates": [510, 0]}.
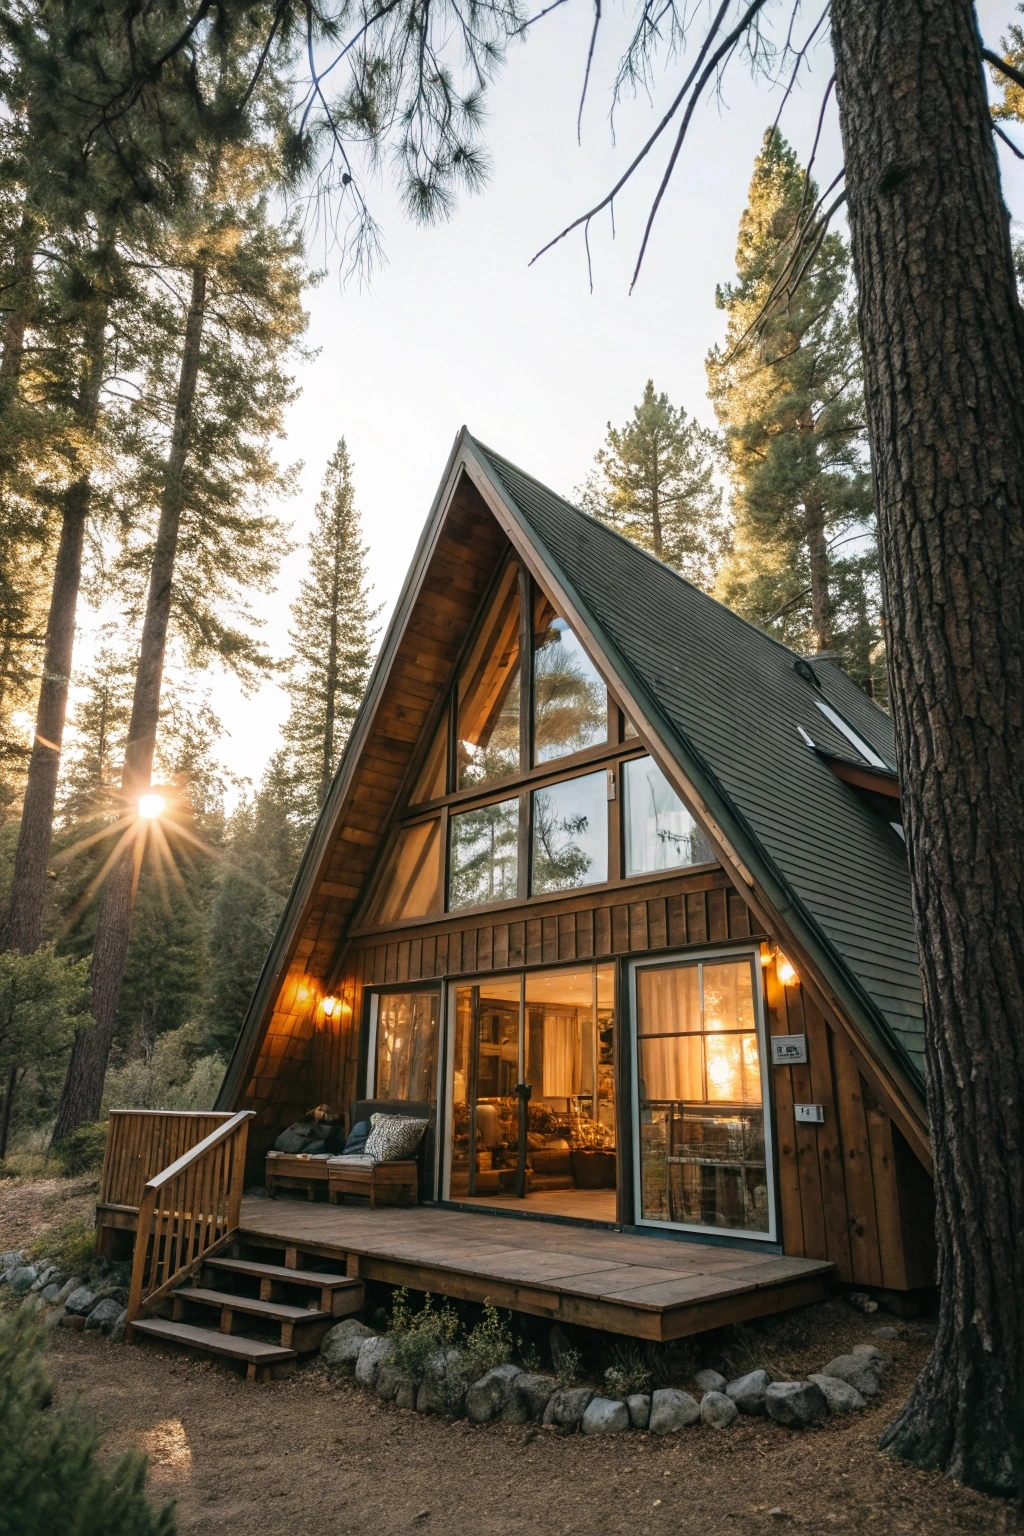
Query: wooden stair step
{"type": "Point", "coordinates": [235, 1345]}
{"type": "Point", "coordinates": [279, 1311]}
{"type": "Point", "coordinates": [260, 1271]}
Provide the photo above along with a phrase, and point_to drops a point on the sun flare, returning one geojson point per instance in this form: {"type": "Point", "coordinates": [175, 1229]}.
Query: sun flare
{"type": "Point", "coordinates": [151, 806]}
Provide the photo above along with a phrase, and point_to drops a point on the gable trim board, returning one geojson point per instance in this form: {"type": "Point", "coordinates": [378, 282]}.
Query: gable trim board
{"type": "Point", "coordinates": [756, 875]}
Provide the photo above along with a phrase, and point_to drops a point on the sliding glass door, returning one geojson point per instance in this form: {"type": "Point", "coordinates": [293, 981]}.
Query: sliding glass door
{"type": "Point", "coordinates": [702, 1131]}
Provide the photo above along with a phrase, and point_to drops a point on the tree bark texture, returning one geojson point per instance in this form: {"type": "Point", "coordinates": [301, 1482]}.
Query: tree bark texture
{"type": "Point", "coordinates": [817, 552]}
{"type": "Point", "coordinates": [943, 338]}
{"type": "Point", "coordinates": [23, 929]}
{"type": "Point", "coordinates": [82, 1094]}
{"type": "Point", "coordinates": [10, 1088]}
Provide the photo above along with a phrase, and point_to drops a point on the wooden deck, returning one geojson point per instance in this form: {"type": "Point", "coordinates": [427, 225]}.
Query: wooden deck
{"type": "Point", "coordinates": [644, 1287]}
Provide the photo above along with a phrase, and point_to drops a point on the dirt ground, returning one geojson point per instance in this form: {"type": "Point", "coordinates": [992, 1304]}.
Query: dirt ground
{"type": "Point", "coordinates": [314, 1456]}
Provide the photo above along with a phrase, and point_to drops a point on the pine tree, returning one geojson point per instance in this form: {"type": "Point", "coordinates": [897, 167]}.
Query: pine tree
{"type": "Point", "coordinates": [263, 844]}
{"type": "Point", "coordinates": [655, 483]}
{"type": "Point", "coordinates": [225, 317]}
{"type": "Point", "coordinates": [332, 640]}
{"type": "Point", "coordinates": [790, 400]}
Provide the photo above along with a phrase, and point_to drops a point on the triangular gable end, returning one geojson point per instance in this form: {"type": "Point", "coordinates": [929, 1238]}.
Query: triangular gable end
{"type": "Point", "coordinates": [464, 542]}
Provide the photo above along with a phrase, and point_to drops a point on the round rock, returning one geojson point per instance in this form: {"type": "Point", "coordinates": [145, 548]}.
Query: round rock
{"type": "Point", "coordinates": [486, 1398]}
{"type": "Point", "coordinates": [747, 1392]}
{"type": "Point", "coordinates": [104, 1315]}
{"type": "Point", "coordinates": [639, 1405]}
{"type": "Point", "coordinates": [840, 1396]}
{"type": "Point", "coordinates": [605, 1416]}
{"type": "Point", "coordinates": [858, 1371]}
{"type": "Point", "coordinates": [709, 1381]}
{"type": "Point", "coordinates": [372, 1355]}
{"type": "Point", "coordinates": [672, 1410]}
{"type": "Point", "coordinates": [80, 1302]}
{"type": "Point", "coordinates": [22, 1279]}
{"type": "Point", "coordinates": [120, 1328]}
{"type": "Point", "coordinates": [717, 1410]}
{"type": "Point", "coordinates": [567, 1407]}
{"type": "Point", "coordinates": [341, 1345]}
{"type": "Point", "coordinates": [66, 1289]}
{"type": "Point", "coordinates": [796, 1404]}
{"type": "Point", "coordinates": [528, 1396]}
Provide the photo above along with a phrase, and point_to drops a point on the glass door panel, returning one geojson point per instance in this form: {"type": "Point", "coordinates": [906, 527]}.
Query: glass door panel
{"type": "Point", "coordinates": [701, 1146]}
{"type": "Point", "coordinates": [487, 1090]}
{"type": "Point", "coordinates": [405, 1046]}
{"type": "Point", "coordinates": [571, 1070]}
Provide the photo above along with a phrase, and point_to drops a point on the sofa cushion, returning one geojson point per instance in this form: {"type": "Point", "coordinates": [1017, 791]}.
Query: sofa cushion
{"type": "Point", "coordinates": [393, 1137]}
{"type": "Point", "coordinates": [357, 1137]}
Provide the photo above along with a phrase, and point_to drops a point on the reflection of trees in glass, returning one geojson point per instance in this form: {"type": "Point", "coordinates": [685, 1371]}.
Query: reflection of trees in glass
{"type": "Point", "coordinates": [660, 832]}
{"type": "Point", "coordinates": [496, 751]}
{"type": "Point", "coordinates": [488, 693]}
{"type": "Point", "coordinates": [570, 834]}
{"type": "Point", "coordinates": [570, 699]}
{"type": "Point", "coordinates": [484, 855]}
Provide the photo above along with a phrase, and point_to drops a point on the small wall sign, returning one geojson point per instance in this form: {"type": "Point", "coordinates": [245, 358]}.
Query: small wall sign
{"type": "Point", "coordinates": [789, 1050]}
{"type": "Point", "coordinates": [809, 1114]}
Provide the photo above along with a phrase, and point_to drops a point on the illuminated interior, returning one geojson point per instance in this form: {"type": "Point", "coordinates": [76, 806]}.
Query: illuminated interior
{"type": "Point", "coordinates": [533, 1091]}
{"type": "Point", "coordinates": [702, 1132]}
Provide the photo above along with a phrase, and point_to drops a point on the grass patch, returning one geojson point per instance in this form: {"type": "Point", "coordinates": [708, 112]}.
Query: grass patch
{"type": "Point", "coordinates": [71, 1245]}
{"type": "Point", "coordinates": [27, 1165]}
{"type": "Point", "coordinates": [82, 1151]}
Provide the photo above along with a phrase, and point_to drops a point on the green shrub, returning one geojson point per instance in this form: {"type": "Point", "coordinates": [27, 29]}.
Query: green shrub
{"type": "Point", "coordinates": [418, 1336]}
{"type": "Point", "coordinates": [82, 1151]}
{"type": "Point", "coordinates": [50, 1479]}
{"type": "Point", "coordinates": [628, 1373]}
{"type": "Point", "coordinates": [71, 1246]}
{"type": "Point", "coordinates": [490, 1342]}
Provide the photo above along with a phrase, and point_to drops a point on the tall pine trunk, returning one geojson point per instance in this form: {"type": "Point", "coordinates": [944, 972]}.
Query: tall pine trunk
{"type": "Point", "coordinates": [24, 925]}
{"type": "Point", "coordinates": [331, 701]}
{"type": "Point", "coordinates": [817, 552]}
{"type": "Point", "coordinates": [943, 338]}
{"type": "Point", "coordinates": [83, 1086]}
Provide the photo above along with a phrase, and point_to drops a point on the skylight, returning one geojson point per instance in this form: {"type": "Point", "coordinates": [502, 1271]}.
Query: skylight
{"type": "Point", "coordinates": [867, 753]}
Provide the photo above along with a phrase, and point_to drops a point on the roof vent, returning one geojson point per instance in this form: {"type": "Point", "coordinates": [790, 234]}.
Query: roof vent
{"type": "Point", "coordinates": [806, 671]}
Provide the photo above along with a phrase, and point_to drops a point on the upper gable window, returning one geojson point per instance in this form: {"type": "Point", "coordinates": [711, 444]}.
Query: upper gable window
{"type": "Point", "coordinates": [570, 701]}
{"type": "Point", "coordinates": [659, 832]}
{"type": "Point", "coordinates": [487, 734]}
{"type": "Point", "coordinates": [410, 882]}
{"type": "Point", "coordinates": [570, 834]}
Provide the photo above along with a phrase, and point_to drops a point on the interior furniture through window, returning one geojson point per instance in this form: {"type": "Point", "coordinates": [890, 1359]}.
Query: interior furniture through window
{"type": "Point", "coordinates": [533, 1091]}
{"type": "Point", "coordinates": [702, 1147]}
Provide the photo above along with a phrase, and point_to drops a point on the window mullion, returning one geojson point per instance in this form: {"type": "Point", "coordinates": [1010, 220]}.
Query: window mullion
{"type": "Point", "coordinates": [525, 670]}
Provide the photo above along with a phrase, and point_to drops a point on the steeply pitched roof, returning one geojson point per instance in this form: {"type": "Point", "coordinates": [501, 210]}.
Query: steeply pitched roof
{"type": "Point", "coordinates": [719, 702]}
{"type": "Point", "coordinates": [730, 701]}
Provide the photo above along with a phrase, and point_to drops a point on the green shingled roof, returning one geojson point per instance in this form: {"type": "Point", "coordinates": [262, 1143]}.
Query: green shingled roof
{"type": "Point", "coordinates": [730, 702]}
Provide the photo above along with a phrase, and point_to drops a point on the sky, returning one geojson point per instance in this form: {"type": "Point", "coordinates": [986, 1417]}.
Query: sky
{"type": "Point", "coordinates": [457, 326]}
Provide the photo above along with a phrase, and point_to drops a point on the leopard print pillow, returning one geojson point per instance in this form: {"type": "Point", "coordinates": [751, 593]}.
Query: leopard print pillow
{"type": "Point", "coordinates": [393, 1137]}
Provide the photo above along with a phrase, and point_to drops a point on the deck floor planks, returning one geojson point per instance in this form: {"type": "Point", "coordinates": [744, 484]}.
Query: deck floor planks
{"type": "Point", "coordinates": [648, 1286]}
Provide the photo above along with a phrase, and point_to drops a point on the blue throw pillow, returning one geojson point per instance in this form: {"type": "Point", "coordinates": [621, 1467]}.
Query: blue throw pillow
{"type": "Point", "coordinates": [357, 1137]}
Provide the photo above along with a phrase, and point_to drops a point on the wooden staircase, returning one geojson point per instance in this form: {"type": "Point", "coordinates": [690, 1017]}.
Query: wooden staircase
{"type": "Point", "coordinates": [243, 1306]}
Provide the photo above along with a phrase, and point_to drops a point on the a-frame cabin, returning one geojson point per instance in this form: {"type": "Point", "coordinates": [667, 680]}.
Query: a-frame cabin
{"type": "Point", "coordinates": [595, 834]}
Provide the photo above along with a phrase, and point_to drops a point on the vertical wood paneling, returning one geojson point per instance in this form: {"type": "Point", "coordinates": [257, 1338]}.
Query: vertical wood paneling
{"type": "Point", "coordinates": [718, 918]}
{"type": "Point", "coordinates": [585, 934]}
{"type": "Point", "coordinates": [657, 923]}
{"type": "Point", "coordinates": [676, 908]}
{"type": "Point", "coordinates": [620, 930]}
{"type": "Point", "coordinates": [887, 1205]}
{"type": "Point", "coordinates": [603, 931]}
{"type": "Point", "coordinates": [534, 954]}
{"type": "Point", "coordinates": [785, 1140]}
{"type": "Point", "coordinates": [830, 1151]}
{"type": "Point", "coordinates": [517, 943]}
{"type": "Point", "coordinates": [739, 915]}
{"type": "Point", "coordinates": [696, 918]}
{"type": "Point", "coordinates": [567, 936]}
{"type": "Point", "coordinates": [638, 926]}
{"type": "Point", "coordinates": [501, 947]}
{"type": "Point", "coordinates": [865, 1261]}
{"type": "Point", "coordinates": [485, 949]}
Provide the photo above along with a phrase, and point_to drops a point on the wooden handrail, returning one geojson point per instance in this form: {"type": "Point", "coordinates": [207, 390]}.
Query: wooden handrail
{"type": "Point", "coordinates": [141, 1142]}
{"type": "Point", "coordinates": [188, 1209]}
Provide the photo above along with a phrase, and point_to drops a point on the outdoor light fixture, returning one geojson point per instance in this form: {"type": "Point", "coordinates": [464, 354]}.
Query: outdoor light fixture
{"type": "Point", "coordinates": [151, 806]}
{"type": "Point", "coordinates": [786, 972]}
{"type": "Point", "coordinates": [330, 1005]}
